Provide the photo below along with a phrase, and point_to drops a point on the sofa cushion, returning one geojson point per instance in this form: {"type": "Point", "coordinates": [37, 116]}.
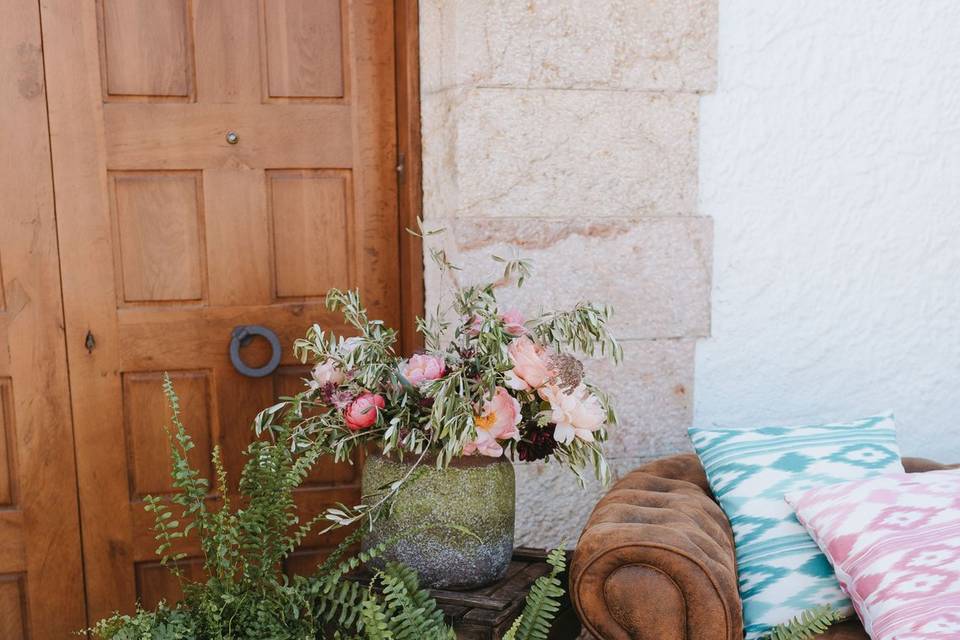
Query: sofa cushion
{"type": "Point", "coordinates": [781, 571]}
{"type": "Point", "coordinates": [894, 542]}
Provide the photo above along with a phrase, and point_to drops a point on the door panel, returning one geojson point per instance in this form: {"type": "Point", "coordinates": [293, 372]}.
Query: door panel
{"type": "Point", "coordinates": [303, 47]}
{"type": "Point", "coordinates": [40, 566]}
{"type": "Point", "coordinates": [171, 236]}
{"type": "Point", "coordinates": [146, 48]}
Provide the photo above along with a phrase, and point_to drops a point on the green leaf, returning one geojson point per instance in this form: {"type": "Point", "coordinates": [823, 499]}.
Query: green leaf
{"type": "Point", "coordinates": [807, 625]}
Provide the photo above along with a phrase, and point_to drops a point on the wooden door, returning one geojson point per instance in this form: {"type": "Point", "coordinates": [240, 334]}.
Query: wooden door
{"type": "Point", "coordinates": [217, 163]}
{"type": "Point", "coordinates": [40, 566]}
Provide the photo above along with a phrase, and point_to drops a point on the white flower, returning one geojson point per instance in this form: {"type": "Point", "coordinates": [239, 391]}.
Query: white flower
{"type": "Point", "coordinates": [577, 414]}
{"type": "Point", "coordinates": [325, 373]}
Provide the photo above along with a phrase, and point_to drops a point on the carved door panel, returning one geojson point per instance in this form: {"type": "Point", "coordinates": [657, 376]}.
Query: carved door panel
{"type": "Point", "coordinates": [40, 565]}
{"type": "Point", "coordinates": [217, 163]}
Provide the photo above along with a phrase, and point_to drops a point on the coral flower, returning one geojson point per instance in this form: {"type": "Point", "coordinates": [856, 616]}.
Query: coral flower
{"type": "Point", "coordinates": [362, 412]}
{"type": "Point", "coordinates": [325, 373]}
{"type": "Point", "coordinates": [531, 365]}
{"type": "Point", "coordinates": [513, 322]}
{"type": "Point", "coordinates": [422, 368]}
{"type": "Point", "coordinates": [577, 414]}
{"type": "Point", "coordinates": [498, 421]}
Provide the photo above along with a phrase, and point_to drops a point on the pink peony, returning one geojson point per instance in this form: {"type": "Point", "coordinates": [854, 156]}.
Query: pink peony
{"type": "Point", "coordinates": [485, 445]}
{"type": "Point", "coordinates": [423, 367]}
{"type": "Point", "coordinates": [498, 421]}
{"type": "Point", "coordinates": [531, 366]}
{"type": "Point", "coordinates": [577, 414]}
{"type": "Point", "coordinates": [362, 412]}
{"type": "Point", "coordinates": [513, 322]}
{"type": "Point", "coordinates": [325, 373]}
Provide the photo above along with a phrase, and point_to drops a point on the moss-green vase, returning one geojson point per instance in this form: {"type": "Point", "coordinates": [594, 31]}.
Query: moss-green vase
{"type": "Point", "coordinates": [454, 526]}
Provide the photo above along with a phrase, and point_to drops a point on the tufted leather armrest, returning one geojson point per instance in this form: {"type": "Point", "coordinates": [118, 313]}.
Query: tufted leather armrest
{"type": "Point", "coordinates": [656, 559]}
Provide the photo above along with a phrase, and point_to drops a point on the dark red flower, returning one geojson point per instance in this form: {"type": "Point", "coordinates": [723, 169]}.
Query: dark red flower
{"type": "Point", "coordinates": [537, 444]}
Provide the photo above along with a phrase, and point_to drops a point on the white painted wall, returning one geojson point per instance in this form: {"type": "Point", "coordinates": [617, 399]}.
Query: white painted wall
{"type": "Point", "coordinates": [830, 163]}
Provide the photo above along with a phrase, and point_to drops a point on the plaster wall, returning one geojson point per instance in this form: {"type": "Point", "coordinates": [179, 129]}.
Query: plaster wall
{"type": "Point", "coordinates": [566, 131]}
{"type": "Point", "coordinates": [830, 164]}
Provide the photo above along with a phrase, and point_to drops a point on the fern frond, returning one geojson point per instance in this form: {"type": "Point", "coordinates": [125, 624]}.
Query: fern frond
{"type": "Point", "coordinates": [337, 554]}
{"type": "Point", "coordinates": [412, 613]}
{"type": "Point", "coordinates": [511, 633]}
{"type": "Point", "coordinates": [333, 577]}
{"type": "Point", "coordinates": [807, 625]}
{"type": "Point", "coordinates": [341, 605]}
{"type": "Point", "coordinates": [166, 530]}
{"type": "Point", "coordinates": [543, 601]}
{"type": "Point", "coordinates": [374, 619]}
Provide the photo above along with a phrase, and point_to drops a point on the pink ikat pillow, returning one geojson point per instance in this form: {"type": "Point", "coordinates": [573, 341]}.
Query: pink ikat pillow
{"type": "Point", "coordinates": [894, 542]}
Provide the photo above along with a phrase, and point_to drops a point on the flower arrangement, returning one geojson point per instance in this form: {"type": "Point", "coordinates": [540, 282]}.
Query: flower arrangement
{"type": "Point", "coordinates": [488, 383]}
{"type": "Point", "coordinates": [243, 591]}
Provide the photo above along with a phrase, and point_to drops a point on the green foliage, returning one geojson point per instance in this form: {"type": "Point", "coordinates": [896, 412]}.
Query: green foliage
{"type": "Point", "coordinates": [245, 594]}
{"type": "Point", "coordinates": [807, 625]}
{"type": "Point", "coordinates": [436, 419]}
{"type": "Point", "coordinates": [162, 624]}
{"type": "Point", "coordinates": [542, 603]}
{"type": "Point", "coordinates": [411, 612]}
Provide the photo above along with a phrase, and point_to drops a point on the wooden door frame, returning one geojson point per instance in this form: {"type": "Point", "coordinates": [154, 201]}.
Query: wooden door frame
{"type": "Point", "coordinates": [409, 169]}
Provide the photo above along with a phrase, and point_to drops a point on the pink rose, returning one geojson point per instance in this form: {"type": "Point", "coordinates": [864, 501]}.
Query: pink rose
{"type": "Point", "coordinates": [498, 421]}
{"type": "Point", "coordinates": [531, 366]}
{"type": "Point", "coordinates": [513, 322]}
{"type": "Point", "coordinates": [577, 414]}
{"type": "Point", "coordinates": [362, 412]}
{"type": "Point", "coordinates": [422, 368]}
{"type": "Point", "coordinates": [325, 373]}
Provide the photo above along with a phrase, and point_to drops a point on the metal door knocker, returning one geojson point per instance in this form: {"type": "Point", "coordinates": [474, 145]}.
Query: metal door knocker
{"type": "Point", "coordinates": [242, 336]}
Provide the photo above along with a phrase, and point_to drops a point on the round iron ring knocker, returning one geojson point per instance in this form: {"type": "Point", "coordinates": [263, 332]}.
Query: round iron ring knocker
{"type": "Point", "coordinates": [240, 337]}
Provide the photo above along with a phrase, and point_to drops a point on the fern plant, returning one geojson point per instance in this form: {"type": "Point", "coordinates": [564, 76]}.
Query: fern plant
{"type": "Point", "coordinates": [542, 602]}
{"type": "Point", "coordinates": [246, 595]}
{"type": "Point", "coordinates": [807, 625]}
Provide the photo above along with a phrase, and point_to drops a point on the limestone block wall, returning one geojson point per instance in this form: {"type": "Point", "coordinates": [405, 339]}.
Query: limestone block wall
{"type": "Point", "coordinates": [566, 131]}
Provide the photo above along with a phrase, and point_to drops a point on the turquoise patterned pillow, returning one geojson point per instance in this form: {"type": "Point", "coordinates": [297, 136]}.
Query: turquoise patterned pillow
{"type": "Point", "coordinates": [781, 570]}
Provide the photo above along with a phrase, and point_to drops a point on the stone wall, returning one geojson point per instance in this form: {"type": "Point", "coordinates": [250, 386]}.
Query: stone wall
{"type": "Point", "coordinates": [566, 130]}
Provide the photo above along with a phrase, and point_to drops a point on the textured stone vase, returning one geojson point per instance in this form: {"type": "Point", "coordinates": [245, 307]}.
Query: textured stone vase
{"type": "Point", "coordinates": [454, 526]}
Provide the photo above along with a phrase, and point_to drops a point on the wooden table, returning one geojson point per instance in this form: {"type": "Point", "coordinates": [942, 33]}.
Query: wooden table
{"type": "Point", "coordinates": [487, 613]}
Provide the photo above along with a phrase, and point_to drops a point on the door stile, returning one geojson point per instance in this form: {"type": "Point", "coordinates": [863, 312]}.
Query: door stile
{"type": "Point", "coordinates": [71, 47]}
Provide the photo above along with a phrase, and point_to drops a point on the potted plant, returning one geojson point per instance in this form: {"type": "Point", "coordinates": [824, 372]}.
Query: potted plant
{"type": "Point", "coordinates": [443, 425]}
{"type": "Point", "coordinates": [243, 592]}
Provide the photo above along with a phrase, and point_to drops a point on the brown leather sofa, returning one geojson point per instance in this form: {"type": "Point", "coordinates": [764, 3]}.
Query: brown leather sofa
{"type": "Point", "coordinates": [656, 559]}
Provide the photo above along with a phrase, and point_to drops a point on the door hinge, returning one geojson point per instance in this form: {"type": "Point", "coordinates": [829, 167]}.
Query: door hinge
{"type": "Point", "coordinates": [401, 165]}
